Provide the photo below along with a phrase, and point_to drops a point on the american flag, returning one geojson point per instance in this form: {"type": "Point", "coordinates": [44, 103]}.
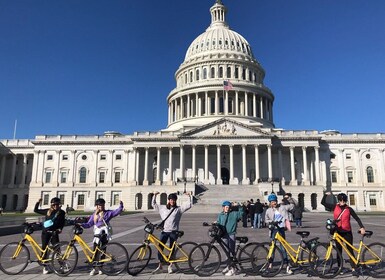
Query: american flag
{"type": "Point", "coordinates": [227, 85]}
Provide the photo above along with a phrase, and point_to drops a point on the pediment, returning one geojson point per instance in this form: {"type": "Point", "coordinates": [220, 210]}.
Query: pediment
{"type": "Point", "coordinates": [225, 128]}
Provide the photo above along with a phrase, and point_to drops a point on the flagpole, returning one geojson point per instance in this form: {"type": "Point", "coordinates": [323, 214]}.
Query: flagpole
{"type": "Point", "coordinates": [14, 130]}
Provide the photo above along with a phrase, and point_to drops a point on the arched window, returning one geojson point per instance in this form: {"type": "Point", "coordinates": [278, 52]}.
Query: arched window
{"type": "Point", "coordinates": [149, 201]}
{"type": "Point", "coordinates": [221, 72]}
{"type": "Point", "coordinates": [244, 74]}
{"type": "Point", "coordinates": [204, 73]}
{"type": "Point", "coordinates": [138, 201]}
{"type": "Point", "coordinates": [212, 75]}
{"type": "Point", "coordinates": [228, 72]}
{"type": "Point", "coordinates": [191, 77]}
{"type": "Point", "coordinates": [236, 73]}
{"type": "Point", "coordinates": [197, 75]}
{"type": "Point", "coordinates": [370, 174]}
{"type": "Point", "coordinates": [163, 199]}
{"type": "Point", "coordinates": [83, 175]}
{"type": "Point", "coordinates": [185, 78]}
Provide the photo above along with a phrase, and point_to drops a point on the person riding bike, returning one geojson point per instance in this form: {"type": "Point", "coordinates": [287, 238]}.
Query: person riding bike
{"type": "Point", "coordinates": [342, 213]}
{"type": "Point", "coordinates": [279, 214]}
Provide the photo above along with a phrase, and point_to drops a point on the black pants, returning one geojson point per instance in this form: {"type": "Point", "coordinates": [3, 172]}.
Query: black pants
{"type": "Point", "coordinates": [46, 238]}
{"type": "Point", "coordinates": [102, 246]}
{"type": "Point", "coordinates": [348, 236]}
{"type": "Point", "coordinates": [164, 236]}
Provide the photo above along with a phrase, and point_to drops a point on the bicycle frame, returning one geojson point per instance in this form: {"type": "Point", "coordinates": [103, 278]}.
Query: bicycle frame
{"type": "Point", "coordinates": [154, 240]}
{"type": "Point", "coordinates": [293, 253]}
{"type": "Point", "coordinates": [39, 252]}
{"type": "Point", "coordinates": [337, 238]}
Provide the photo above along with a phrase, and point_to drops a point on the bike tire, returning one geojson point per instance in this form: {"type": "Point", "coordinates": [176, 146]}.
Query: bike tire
{"type": "Point", "coordinates": [10, 265]}
{"type": "Point", "coordinates": [183, 267]}
{"type": "Point", "coordinates": [259, 258]}
{"type": "Point", "coordinates": [273, 263]}
{"type": "Point", "coordinates": [322, 266]}
{"type": "Point", "coordinates": [376, 270]}
{"type": "Point", "coordinates": [139, 259]}
{"type": "Point", "coordinates": [64, 265]}
{"type": "Point", "coordinates": [245, 258]}
{"type": "Point", "coordinates": [204, 259]}
{"type": "Point", "coordinates": [117, 259]}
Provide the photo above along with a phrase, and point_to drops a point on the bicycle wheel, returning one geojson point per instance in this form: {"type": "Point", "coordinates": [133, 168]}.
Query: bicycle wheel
{"type": "Point", "coordinates": [372, 253]}
{"type": "Point", "coordinates": [139, 259]}
{"type": "Point", "coordinates": [115, 257]}
{"type": "Point", "coordinates": [274, 262]}
{"type": "Point", "coordinates": [259, 258]}
{"type": "Point", "coordinates": [11, 261]}
{"type": "Point", "coordinates": [325, 261]}
{"type": "Point", "coordinates": [245, 258]}
{"type": "Point", "coordinates": [64, 258]}
{"type": "Point", "coordinates": [204, 259]}
{"type": "Point", "coordinates": [178, 254]}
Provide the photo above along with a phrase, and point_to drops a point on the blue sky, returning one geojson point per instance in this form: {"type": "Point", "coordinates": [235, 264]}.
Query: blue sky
{"type": "Point", "coordinates": [89, 66]}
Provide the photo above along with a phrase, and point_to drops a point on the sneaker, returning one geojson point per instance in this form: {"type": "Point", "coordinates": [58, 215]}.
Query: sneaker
{"type": "Point", "coordinates": [355, 273]}
{"type": "Point", "coordinates": [158, 269]}
{"type": "Point", "coordinates": [93, 272]}
{"type": "Point", "coordinates": [231, 272]}
{"type": "Point", "coordinates": [46, 271]}
{"type": "Point", "coordinates": [225, 270]}
{"type": "Point", "coordinates": [100, 272]}
{"type": "Point", "coordinates": [169, 269]}
{"type": "Point", "coordinates": [288, 270]}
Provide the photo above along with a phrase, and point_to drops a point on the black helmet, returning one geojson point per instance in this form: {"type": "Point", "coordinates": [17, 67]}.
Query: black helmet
{"type": "Point", "coordinates": [172, 196]}
{"type": "Point", "coordinates": [342, 197]}
{"type": "Point", "coordinates": [55, 200]}
{"type": "Point", "coordinates": [100, 201]}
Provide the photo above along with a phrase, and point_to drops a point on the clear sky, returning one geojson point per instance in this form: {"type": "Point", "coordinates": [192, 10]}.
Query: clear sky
{"type": "Point", "coordinates": [88, 66]}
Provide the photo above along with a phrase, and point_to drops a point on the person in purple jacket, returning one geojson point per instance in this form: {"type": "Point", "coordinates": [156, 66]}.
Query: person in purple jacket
{"type": "Point", "coordinates": [100, 219]}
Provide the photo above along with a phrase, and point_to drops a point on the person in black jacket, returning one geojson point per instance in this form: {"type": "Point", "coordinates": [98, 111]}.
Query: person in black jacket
{"type": "Point", "coordinates": [49, 234]}
{"type": "Point", "coordinates": [342, 213]}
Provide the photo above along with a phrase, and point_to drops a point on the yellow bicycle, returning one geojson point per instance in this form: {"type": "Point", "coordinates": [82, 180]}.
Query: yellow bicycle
{"type": "Point", "coordinates": [111, 258]}
{"type": "Point", "coordinates": [327, 261]}
{"type": "Point", "coordinates": [273, 263]}
{"type": "Point", "coordinates": [176, 254]}
{"type": "Point", "coordinates": [15, 256]}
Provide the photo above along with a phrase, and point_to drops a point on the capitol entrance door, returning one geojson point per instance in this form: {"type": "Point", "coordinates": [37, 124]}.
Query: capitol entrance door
{"type": "Point", "coordinates": [225, 176]}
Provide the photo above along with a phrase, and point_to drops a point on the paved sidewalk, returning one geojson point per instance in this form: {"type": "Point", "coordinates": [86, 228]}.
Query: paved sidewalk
{"type": "Point", "coordinates": [128, 230]}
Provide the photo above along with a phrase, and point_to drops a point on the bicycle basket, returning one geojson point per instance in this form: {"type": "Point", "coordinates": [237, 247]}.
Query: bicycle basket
{"type": "Point", "coordinates": [149, 228]}
{"type": "Point", "coordinates": [78, 230]}
{"type": "Point", "coordinates": [217, 230]}
{"type": "Point", "coordinates": [28, 229]}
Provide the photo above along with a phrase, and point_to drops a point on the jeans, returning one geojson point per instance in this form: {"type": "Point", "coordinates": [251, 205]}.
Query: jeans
{"type": "Point", "coordinates": [164, 236]}
{"type": "Point", "coordinates": [282, 232]}
{"type": "Point", "coordinates": [298, 222]}
{"type": "Point", "coordinates": [258, 220]}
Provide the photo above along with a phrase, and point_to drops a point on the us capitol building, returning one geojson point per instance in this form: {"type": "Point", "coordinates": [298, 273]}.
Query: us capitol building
{"type": "Point", "coordinates": [220, 142]}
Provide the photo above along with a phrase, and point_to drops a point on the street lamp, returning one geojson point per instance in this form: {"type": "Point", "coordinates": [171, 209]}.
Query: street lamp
{"type": "Point", "coordinates": [272, 186]}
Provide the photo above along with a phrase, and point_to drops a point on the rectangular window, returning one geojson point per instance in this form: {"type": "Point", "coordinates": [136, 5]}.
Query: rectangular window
{"type": "Point", "coordinates": [117, 177]}
{"type": "Point", "coordinates": [49, 157]}
{"type": "Point", "coordinates": [348, 156]}
{"type": "Point", "coordinates": [45, 199]}
{"type": "Point", "coordinates": [118, 157]}
{"type": "Point", "coordinates": [334, 176]}
{"type": "Point", "coordinates": [63, 177]}
{"type": "Point", "coordinates": [115, 198]}
{"type": "Point", "coordinates": [352, 199]}
{"type": "Point", "coordinates": [61, 197]}
{"type": "Point", "coordinates": [372, 200]}
{"type": "Point", "coordinates": [350, 176]}
{"type": "Point", "coordinates": [103, 157]}
{"type": "Point", "coordinates": [65, 157]}
{"type": "Point", "coordinates": [102, 176]}
{"type": "Point", "coordinates": [48, 176]}
{"type": "Point", "coordinates": [99, 195]}
{"type": "Point", "coordinates": [81, 199]}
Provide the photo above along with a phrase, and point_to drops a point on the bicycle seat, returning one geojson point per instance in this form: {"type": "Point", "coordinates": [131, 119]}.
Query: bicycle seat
{"type": "Point", "coordinates": [179, 233]}
{"type": "Point", "coordinates": [242, 239]}
{"type": "Point", "coordinates": [368, 233]}
{"type": "Point", "coordinates": [303, 234]}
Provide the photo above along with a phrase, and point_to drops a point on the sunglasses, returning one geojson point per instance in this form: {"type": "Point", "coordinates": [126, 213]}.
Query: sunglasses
{"type": "Point", "coordinates": [55, 204]}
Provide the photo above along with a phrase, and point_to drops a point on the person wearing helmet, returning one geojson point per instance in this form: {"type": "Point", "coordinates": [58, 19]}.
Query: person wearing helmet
{"type": "Point", "coordinates": [342, 213]}
{"type": "Point", "coordinates": [229, 218]}
{"type": "Point", "coordinates": [279, 213]}
{"type": "Point", "coordinates": [170, 214]}
{"type": "Point", "coordinates": [100, 220]}
{"type": "Point", "coordinates": [53, 225]}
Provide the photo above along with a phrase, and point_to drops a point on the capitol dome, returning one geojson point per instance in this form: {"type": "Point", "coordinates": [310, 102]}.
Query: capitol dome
{"type": "Point", "coordinates": [217, 57]}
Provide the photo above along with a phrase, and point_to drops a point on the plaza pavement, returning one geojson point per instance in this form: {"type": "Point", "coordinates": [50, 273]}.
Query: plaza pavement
{"type": "Point", "coordinates": [128, 230]}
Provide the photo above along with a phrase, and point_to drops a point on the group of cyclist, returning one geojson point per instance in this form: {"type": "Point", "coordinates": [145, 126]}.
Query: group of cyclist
{"type": "Point", "coordinates": [171, 214]}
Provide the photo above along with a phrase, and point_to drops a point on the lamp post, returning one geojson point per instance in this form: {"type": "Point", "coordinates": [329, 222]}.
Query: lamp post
{"type": "Point", "coordinates": [272, 186]}
{"type": "Point", "coordinates": [184, 183]}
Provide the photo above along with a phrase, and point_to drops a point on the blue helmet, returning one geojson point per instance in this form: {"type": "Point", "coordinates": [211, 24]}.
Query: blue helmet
{"type": "Point", "coordinates": [226, 203]}
{"type": "Point", "coordinates": [272, 197]}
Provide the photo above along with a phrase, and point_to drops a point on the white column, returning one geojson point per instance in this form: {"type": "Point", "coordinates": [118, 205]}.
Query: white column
{"type": "Point", "coordinates": [254, 106]}
{"type": "Point", "coordinates": [181, 162]}
{"type": "Point", "coordinates": [261, 107]}
{"type": "Point", "coordinates": [206, 164]}
{"type": "Point", "coordinates": [145, 178]}
{"type": "Point", "coordinates": [293, 180]}
{"type": "Point", "coordinates": [236, 104]}
{"type": "Point", "coordinates": [305, 170]}
{"type": "Point", "coordinates": [136, 156]}
{"type": "Point", "coordinates": [256, 164]}
{"type": "Point", "coordinates": [170, 168]}
{"type": "Point", "coordinates": [111, 157]}
{"type": "Point", "coordinates": [193, 164]}
{"type": "Point", "coordinates": [231, 147]}
{"type": "Point", "coordinates": [158, 182]}
{"type": "Point", "coordinates": [246, 105]}
{"type": "Point", "coordinates": [226, 103]}
{"type": "Point", "coordinates": [269, 162]}
{"type": "Point", "coordinates": [181, 108]}
{"type": "Point", "coordinates": [2, 167]}
{"type": "Point", "coordinates": [380, 165]}
{"type": "Point", "coordinates": [245, 180]}
{"type": "Point", "coordinates": [72, 173]}
{"type": "Point", "coordinates": [95, 179]}
{"type": "Point", "coordinates": [188, 106]}
{"type": "Point", "coordinates": [317, 166]}
{"type": "Point", "coordinates": [342, 167]}
{"type": "Point", "coordinates": [197, 110]}
{"type": "Point", "coordinates": [358, 167]}
{"type": "Point", "coordinates": [216, 103]}
{"type": "Point", "coordinates": [41, 168]}
{"type": "Point", "coordinates": [126, 165]}
{"type": "Point", "coordinates": [219, 177]}
{"type": "Point", "coordinates": [56, 179]}
{"type": "Point", "coordinates": [13, 172]}
{"type": "Point", "coordinates": [207, 103]}
{"type": "Point", "coordinates": [24, 172]}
